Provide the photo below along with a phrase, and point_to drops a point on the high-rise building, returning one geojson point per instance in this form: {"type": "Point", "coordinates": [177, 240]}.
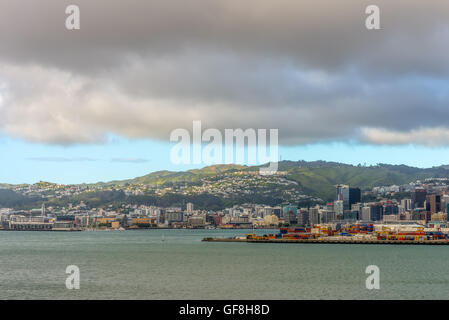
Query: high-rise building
{"type": "Point", "coordinates": [418, 198]}
{"type": "Point", "coordinates": [433, 203]}
{"type": "Point", "coordinates": [291, 218]}
{"type": "Point", "coordinates": [348, 195]}
{"type": "Point", "coordinates": [366, 213]}
{"type": "Point", "coordinates": [376, 212]}
{"type": "Point", "coordinates": [343, 195]}
{"type": "Point", "coordinates": [277, 211]}
{"type": "Point", "coordinates": [303, 217]}
{"type": "Point", "coordinates": [314, 215]}
{"type": "Point", "coordinates": [189, 207]}
{"type": "Point", "coordinates": [327, 216]}
{"type": "Point", "coordinates": [355, 196]}
{"type": "Point", "coordinates": [289, 208]}
{"type": "Point", "coordinates": [338, 209]}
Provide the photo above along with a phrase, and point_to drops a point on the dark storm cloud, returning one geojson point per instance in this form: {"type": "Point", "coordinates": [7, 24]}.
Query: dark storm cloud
{"type": "Point", "coordinates": [143, 68]}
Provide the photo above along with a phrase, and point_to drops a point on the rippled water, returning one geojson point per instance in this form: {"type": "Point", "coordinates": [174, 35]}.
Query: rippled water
{"type": "Point", "coordinates": [139, 265]}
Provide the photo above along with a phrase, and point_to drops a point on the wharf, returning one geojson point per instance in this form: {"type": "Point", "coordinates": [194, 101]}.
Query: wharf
{"type": "Point", "coordinates": [329, 241]}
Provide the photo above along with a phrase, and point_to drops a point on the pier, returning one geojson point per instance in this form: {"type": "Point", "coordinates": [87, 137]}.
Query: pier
{"type": "Point", "coordinates": [331, 241]}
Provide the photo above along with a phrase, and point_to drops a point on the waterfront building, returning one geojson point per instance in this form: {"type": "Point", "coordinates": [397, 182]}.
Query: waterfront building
{"type": "Point", "coordinates": [289, 208]}
{"type": "Point", "coordinates": [30, 225]}
{"type": "Point", "coordinates": [366, 213]}
{"type": "Point", "coordinates": [327, 216]}
{"type": "Point", "coordinates": [303, 217]}
{"type": "Point", "coordinates": [217, 219]}
{"type": "Point", "coordinates": [144, 222]}
{"type": "Point", "coordinates": [196, 221]}
{"type": "Point", "coordinates": [271, 221]}
{"type": "Point", "coordinates": [291, 217]}
{"type": "Point", "coordinates": [314, 215]}
{"type": "Point", "coordinates": [174, 216]}
{"type": "Point", "coordinates": [377, 212]}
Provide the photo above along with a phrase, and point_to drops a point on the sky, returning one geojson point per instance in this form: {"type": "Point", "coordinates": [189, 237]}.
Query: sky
{"type": "Point", "coordinates": [99, 103]}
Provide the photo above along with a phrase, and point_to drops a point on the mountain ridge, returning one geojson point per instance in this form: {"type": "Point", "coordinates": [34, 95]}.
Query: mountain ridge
{"type": "Point", "coordinates": [316, 178]}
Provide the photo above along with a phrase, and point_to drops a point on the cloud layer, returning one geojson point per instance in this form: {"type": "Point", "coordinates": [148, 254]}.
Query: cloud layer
{"type": "Point", "coordinates": [141, 69]}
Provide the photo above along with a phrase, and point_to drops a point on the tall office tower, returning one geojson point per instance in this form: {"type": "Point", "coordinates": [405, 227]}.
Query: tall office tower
{"type": "Point", "coordinates": [377, 212]}
{"type": "Point", "coordinates": [189, 207]}
{"type": "Point", "coordinates": [433, 203]}
{"type": "Point", "coordinates": [348, 195]}
{"type": "Point", "coordinates": [342, 192]}
{"type": "Point", "coordinates": [355, 196]}
{"type": "Point", "coordinates": [418, 198]}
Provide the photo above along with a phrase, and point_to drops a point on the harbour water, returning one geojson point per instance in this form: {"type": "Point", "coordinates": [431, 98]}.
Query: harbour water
{"type": "Point", "coordinates": [175, 264]}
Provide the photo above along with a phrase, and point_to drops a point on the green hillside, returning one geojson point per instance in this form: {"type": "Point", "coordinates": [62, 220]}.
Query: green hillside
{"type": "Point", "coordinates": [321, 181]}
{"type": "Point", "coordinates": [317, 178]}
{"type": "Point", "coordinates": [194, 175]}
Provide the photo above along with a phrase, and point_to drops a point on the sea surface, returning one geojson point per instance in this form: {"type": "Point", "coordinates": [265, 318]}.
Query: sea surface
{"type": "Point", "coordinates": [175, 264]}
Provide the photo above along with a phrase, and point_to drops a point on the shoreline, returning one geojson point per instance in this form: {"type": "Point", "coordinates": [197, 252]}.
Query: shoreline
{"type": "Point", "coordinates": [324, 241]}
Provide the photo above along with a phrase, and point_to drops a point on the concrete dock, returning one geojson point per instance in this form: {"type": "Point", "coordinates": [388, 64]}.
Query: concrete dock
{"type": "Point", "coordinates": [407, 242]}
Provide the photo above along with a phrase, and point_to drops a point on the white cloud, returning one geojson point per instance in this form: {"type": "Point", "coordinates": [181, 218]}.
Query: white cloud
{"type": "Point", "coordinates": [423, 136]}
